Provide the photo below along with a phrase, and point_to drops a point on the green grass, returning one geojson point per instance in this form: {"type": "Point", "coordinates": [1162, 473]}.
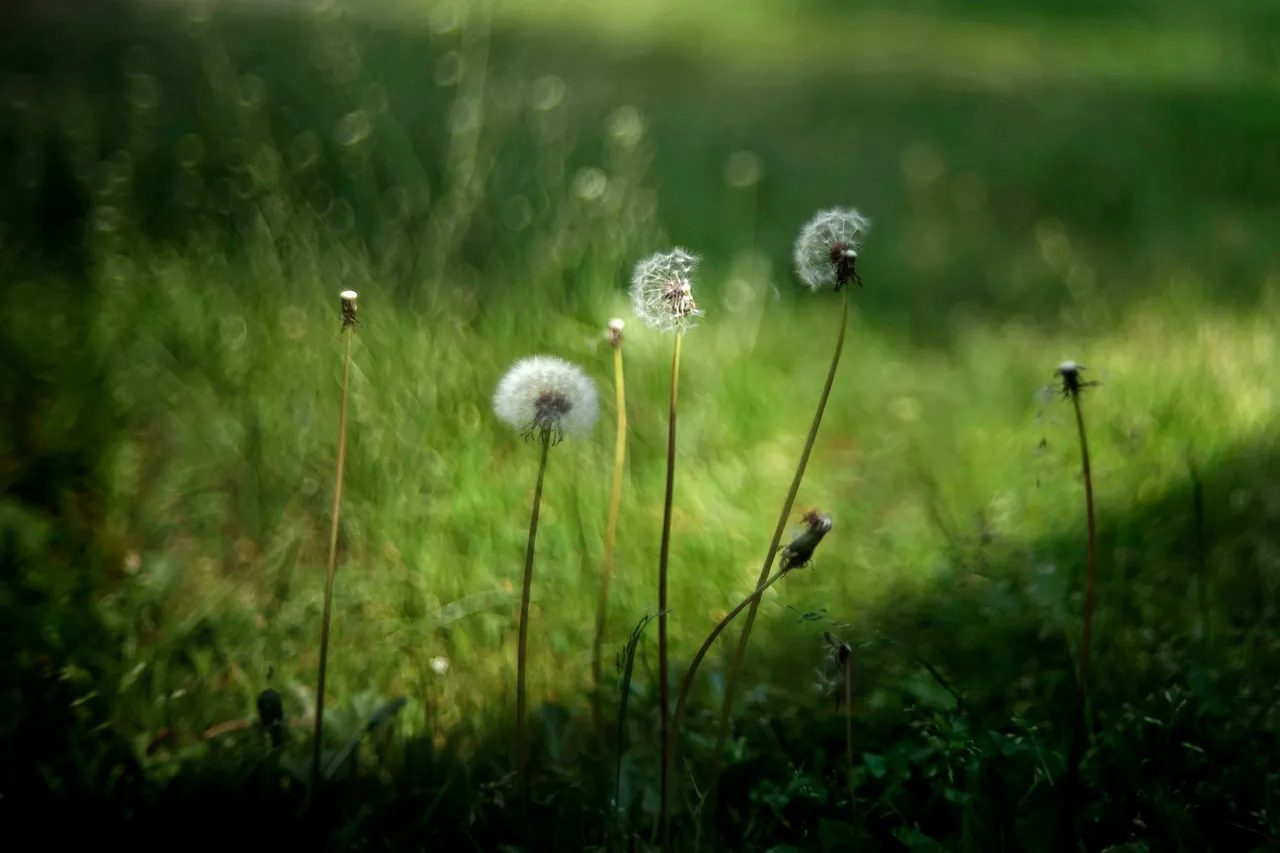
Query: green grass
{"type": "Point", "coordinates": [184, 201]}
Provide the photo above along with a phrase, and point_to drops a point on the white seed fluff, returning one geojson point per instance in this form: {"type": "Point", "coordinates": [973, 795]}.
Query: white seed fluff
{"type": "Point", "coordinates": [1068, 366]}
{"type": "Point", "coordinates": [546, 393]}
{"type": "Point", "coordinates": [823, 233]}
{"type": "Point", "coordinates": [662, 290]}
{"type": "Point", "coordinates": [348, 295]}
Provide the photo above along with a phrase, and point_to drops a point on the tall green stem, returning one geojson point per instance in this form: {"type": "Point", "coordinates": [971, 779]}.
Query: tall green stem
{"type": "Point", "coordinates": [1080, 733]}
{"type": "Point", "coordinates": [735, 668]}
{"type": "Point", "coordinates": [664, 675]}
{"type": "Point", "coordinates": [848, 742]}
{"type": "Point", "coordinates": [522, 648]}
{"type": "Point", "coordinates": [610, 531]}
{"type": "Point", "coordinates": [348, 332]}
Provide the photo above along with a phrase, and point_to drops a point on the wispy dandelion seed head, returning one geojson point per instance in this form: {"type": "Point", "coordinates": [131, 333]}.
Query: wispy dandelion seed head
{"type": "Point", "coordinates": [546, 395]}
{"type": "Point", "coordinates": [662, 290]}
{"type": "Point", "coordinates": [827, 249]}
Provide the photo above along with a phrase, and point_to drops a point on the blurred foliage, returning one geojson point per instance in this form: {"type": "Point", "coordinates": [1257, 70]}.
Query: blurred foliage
{"type": "Point", "coordinates": [186, 188]}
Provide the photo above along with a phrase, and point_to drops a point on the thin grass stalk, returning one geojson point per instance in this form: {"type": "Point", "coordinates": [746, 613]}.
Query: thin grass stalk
{"type": "Point", "coordinates": [664, 679]}
{"type": "Point", "coordinates": [848, 742]}
{"type": "Point", "coordinates": [1080, 733]}
{"type": "Point", "coordinates": [610, 531]}
{"type": "Point", "coordinates": [735, 668]}
{"type": "Point", "coordinates": [1092, 576]}
{"type": "Point", "coordinates": [348, 332]}
{"type": "Point", "coordinates": [522, 647]}
{"type": "Point", "coordinates": [669, 754]}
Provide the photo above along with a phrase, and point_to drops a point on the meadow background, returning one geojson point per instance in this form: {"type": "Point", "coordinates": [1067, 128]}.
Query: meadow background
{"type": "Point", "coordinates": [186, 186]}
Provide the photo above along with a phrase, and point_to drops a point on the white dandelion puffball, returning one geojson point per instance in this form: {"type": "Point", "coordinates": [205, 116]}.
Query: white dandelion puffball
{"type": "Point", "coordinates": [828, 247]}
{"type": "Point", "coordinates": [439, 664]}
{"type": "Point", "coordinates": [662, 290]}
{"type": "Point", "coordinates": [547, 395]}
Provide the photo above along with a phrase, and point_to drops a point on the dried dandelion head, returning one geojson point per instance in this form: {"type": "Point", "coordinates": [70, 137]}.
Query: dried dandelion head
{"type": "Point", "coordinates": [662, 290]}
{"type": "Point", "coordinates": [1069, 374]}
{"type": "Point", "coordinates": [546, 397]}
{"type": "Point", "coordinates": [348, 300]}
{"type": "Point", "coordinates": [826, 251]}
{"type": "Point", "coordinates": [614, 332]}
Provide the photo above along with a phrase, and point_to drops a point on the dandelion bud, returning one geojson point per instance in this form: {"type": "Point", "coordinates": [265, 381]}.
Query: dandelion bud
{"type": "Point", "coordinates": [548, 397]}
{"type": "Point", "coordinates": [798, 553]}
{"type": "Point", "coordinates": [662, 290]}
{"type": "Point", "coordinates": [826, 251]}
{"type": "Point", "coordinates": [614, 333]}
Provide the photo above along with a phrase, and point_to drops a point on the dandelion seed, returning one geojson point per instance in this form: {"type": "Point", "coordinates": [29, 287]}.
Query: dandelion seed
{"type": "Point", "coordinates": [662, 290]}
{"type": "Point", "coordinates": [546, 396]}
{"type": "Point", "coordinates": [439, 664]}
{"type": "Point", "coordinates": [827, 249]}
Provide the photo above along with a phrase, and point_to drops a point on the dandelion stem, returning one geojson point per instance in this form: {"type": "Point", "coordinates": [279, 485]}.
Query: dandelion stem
{"type": "Point", "coordinates": [522, 652]}
{"type": "Point", "coordinates": [1091, 578]}
{"type": "Point", "coordinates": [735, 668]}
{"type": "Point", "coordinates": [348, 333]}
{"type": "Point", "coordinates": [750, 601]}
{"type": "Point", "coordinates": [1080, 734]}
{"type": "Point", "coordinates": [611, 528]}
{"type": "Point", "coordinates": [664, 679]}
{"type": "Point", "coordinates": [848, 741]}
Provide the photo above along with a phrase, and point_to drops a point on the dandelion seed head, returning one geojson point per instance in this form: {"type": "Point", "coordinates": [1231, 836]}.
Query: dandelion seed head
{"type": "Point", "coordinates": [439, 664]}
{"type": "Point", "coordinates": [662, 290]}
{"type": "Point", "coordinates": [546, 395]}
{"type": "Point", "coordinates": [348, 295]}
{"type": "Point", "coordinates": [827, 248]}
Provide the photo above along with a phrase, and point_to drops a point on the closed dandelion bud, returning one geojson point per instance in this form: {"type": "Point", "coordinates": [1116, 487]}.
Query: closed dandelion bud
{"type": "Point", "coordinates": [662, 290]}
{"type": "Point", "coordinates": [547, 397]}
{"type": "Point", "coordinates": [798, 553]}
{"type": "Point", "coordinates": [826, 251]}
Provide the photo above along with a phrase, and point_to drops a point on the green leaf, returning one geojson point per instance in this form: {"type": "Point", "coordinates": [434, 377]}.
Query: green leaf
{"type": "Point", "coordinates": [874, 764]}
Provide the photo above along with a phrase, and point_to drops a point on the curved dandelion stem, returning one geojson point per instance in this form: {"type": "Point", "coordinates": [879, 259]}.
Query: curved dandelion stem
{"type": "Point", "coordinates": [522, 646]}
{"type": "Point", "coordinates": [735, 668]}
{"type": "Point", "coordinates": [752, 601]}
{"type": "Point", "coordinates": [611, 528]}
{"type": "Point", "coordinates": [348, 332]}
{"type": "Point", "coordinates": [664, 679]}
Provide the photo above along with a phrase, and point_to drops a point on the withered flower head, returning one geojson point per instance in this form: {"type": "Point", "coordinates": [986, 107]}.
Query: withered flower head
{"type": "Point", "coordinates": [1069, 373]}
{"type": "Point", "coordinates": [614, 332]}
{"type": "Point", "coordinates": [348, 300]}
